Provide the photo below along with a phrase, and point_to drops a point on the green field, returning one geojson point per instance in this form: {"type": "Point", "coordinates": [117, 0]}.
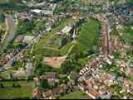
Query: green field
{"type": "Point", "coordinates": [75, 95]}
{"type": "Point", "coordinates": [128, 34]}
{"type": "Point", "coordinates": [88, 34]}
{"type": "Point", "coordinates": [48, 45]}
{"type": "Point", "coordinates": [6, 74]}
{"type": "Point", "coordinates": [130, 1]}
{"type": "Point", "coordinates": [65, 49]}
{"type": "Point", "coordinates": [10, 92]}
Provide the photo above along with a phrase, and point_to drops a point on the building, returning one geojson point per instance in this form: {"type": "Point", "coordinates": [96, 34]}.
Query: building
{"type": "Point", "coordinates": [28, 39]}
{"type": "Point", "coordinates": [29, 68]}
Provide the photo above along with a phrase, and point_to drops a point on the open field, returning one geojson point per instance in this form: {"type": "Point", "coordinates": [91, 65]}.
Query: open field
{"type": "Point", "coordinates": [10, 92]}
{"type": "Point", "coordinates": [88, 36]}
{"type": "Point", "coordinates": [128, 34]}
{"type": "Point", "coordinates": [130, 1]}
{"type": "Point", "coordinates": [6, 74]}
{"type": "Point", "coordinates": [75, 95]}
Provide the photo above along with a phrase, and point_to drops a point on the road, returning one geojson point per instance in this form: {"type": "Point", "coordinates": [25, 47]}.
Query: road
{"type": "Point", "coordinates": [105, 34]}
{"type": "Point", "coordinates": [10, 30]}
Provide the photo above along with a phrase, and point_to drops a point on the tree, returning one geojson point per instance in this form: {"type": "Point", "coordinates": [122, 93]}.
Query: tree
{"type": "Point", "coordinates": [2, 17]}
{"type": "Point", "coordinates": [44, 84]}
{"type": "Point", "coordinates": [24, 27]}
{"type": "Point", "coordinates": [42, 68]}
{"type": "Point", "coordinates": [1, 85]}
{"type": "Point", "coordinates": [71, 64]}
{"type": "Point", "coordinates": [39, 25]}
{"type": "Point", "coordinates": [39, 70]}
{"type": "Point", "coordinates": [14, 85]}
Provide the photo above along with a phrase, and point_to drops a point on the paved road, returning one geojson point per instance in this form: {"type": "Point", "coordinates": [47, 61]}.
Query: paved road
{"type": "Point", "coordinates": [105, 34]}
{"type": "Point", "coordinates": [10, 30]}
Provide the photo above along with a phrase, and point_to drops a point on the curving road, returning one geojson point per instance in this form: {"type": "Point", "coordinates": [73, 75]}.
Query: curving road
{"type": "Point", "coordinates": [10, 30]}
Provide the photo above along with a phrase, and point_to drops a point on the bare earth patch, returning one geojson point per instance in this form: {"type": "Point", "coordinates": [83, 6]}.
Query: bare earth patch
{"type": "Point", "coordinates": [54, 62]}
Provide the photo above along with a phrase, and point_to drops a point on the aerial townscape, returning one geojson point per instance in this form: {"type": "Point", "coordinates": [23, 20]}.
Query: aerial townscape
{"type": "Point", "coordinates": [66, 49]}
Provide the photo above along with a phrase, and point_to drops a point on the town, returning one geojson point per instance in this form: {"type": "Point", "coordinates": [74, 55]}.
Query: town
{"type": "Point", "coordinates": [66, 49]}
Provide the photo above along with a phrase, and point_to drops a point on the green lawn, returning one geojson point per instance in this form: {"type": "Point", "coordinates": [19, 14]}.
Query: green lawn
{"type": "Point", "coordinates": [9, 92]}
{"type": "Point", "coordinates": [6, 74]}
{"type": "Point", "coordinates": [65, 49]}
{"type": "Point", "coordinates": [128, 34]}
{"type": "Point", "coordinates": [130, 1]}
{"type": "Point", "coordinates": [75, 95]}
{"type": "Point", "coordinates": [88, 34]}
{"type": "Point", "coordinates": [116, 89]}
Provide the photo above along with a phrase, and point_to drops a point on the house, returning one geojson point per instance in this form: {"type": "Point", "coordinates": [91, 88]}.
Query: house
{"type": "Point", "coordinates": [20, 73]}
{"type": "Point", "coordinates": [28, 39]}
{"type": "Point", "coordinates": [54, 92]}
{"type": "Point", "coordinates": [37, 11]}
{"type": "Point", "coordinates": [74, 35]}
{"type": "Point", "coordinates": [51, 77]}
{"type": "Point", "coordinates": [47, 12]}
{"type": "Point", "coordinates": [108, 61]}
{"type": "Point", "coordinates": [19, 38]}
{"type": "Point", "coordinates": [37, 81]}
{"type": "Point", "coordinates": [24, 38]}
{"type": "Point", "coordinates": [37, 93]}
{"type": "Point", "coordinates": [57, 91]}
{"type": "Point", "coordinates": [106, 95]}
{"type": "Point", "coordinates": [48, 9]}
{"type": "Point", "coordinates": [29, 68]}
{"type": "Point", "coordinates": [47, 94]}
{"type": "Point", "coordinates": [24, 16]}
{"type": "Point", "coordinates": [128, 86]}
{"type": "Point", "coordinates": [66, 30]}
{"type": "Point", "coordinates": [129, 71]}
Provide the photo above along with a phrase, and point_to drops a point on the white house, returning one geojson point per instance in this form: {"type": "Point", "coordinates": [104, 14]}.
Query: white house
{"type": "Point", "coordinates": [66, 29]}
{"type": "Point", "coordinates": [28, 39]}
